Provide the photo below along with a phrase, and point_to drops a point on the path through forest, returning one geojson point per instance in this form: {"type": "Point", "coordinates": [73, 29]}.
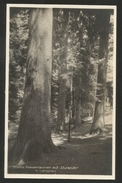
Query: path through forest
{"type": "Point", "coordinates": [83, 155]}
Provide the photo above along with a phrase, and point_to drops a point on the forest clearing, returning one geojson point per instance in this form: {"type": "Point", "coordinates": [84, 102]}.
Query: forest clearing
{"type": "Point", "coordinates": [61, 91]}
{"type": "Point", "coordinates": [82, 155]}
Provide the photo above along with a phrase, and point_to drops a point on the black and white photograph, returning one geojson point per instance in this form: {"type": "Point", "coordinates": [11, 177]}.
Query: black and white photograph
{"type": "Point", "coordinates": [60, 107]}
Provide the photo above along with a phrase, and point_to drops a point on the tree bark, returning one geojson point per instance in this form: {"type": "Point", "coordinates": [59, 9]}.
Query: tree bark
{"type": "Point", "coordinates": [78, 113]}
{"type": "Point", "coordinates": [34, 135]}
{"type": "Point", "coordinates": [78, 101]}
{"type": "Point", "coordinates": [62, 71]}
{"type": "Point", "coordinates": [98, 124]}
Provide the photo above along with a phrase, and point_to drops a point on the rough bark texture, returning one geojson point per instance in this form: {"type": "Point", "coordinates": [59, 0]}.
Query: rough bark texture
{"type": "Point", "coordinates": [99, 122]}
{"type": "Point", "coordinates": [62, 71]}
{"type": "Point", "coordinates": [34, 135]}
{"type": "Point", "coordinates": [78, 78]}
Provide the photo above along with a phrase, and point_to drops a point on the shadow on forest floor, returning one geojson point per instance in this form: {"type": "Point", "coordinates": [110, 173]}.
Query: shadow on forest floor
{"type": "Point", "coordinates": [90, 156]}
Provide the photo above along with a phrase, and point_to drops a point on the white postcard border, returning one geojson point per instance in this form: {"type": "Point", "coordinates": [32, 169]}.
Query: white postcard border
{"type": "Point", "coordinates": [59, 176]}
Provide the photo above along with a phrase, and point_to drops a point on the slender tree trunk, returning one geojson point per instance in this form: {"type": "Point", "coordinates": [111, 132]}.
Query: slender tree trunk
{"type": "Point", "coordinates": [34, 135]}
{"type": "Point", "coordinates": [61, 106]}
{"type": "Point", "coordinates": [78, 101]}
{"type": "Point", "coordinates": [98, 124]}
{"type": "Point", "coordinates": [71, 98]}
{"type": "Point", "coordinates": [62, 81]}
{"type": "Point", "coordinates": [78, 113]}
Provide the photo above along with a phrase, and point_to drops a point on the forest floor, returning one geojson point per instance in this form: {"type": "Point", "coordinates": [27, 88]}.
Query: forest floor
{"type": "Point", "coordinates": [83, 155]}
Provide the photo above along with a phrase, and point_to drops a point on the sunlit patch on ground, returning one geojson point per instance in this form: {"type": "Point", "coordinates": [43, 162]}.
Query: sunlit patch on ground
{"type": "Point", "coordinates": [58, 139]}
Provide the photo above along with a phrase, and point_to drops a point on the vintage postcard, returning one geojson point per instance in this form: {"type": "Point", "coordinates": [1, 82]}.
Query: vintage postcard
{"type": "Point", "coordinates": [60, 92]}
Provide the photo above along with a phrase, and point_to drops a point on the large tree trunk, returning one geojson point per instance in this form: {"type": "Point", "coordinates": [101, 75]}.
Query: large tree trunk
{"type": "Point", "coordinates": [98, 124]}
{"type": "Point", "coordinates": [78, 77]}
{"type": "Point", "coordinates": [34, 135]}
{"type": "Point", "coordinates": [62, 72]}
